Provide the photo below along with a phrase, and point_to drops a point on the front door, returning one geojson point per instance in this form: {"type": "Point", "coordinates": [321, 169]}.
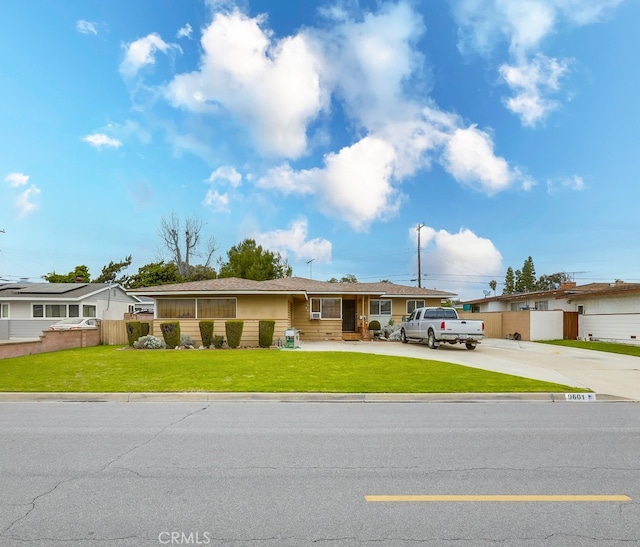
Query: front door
{"type": "Point", "coordinates": [348, 316]}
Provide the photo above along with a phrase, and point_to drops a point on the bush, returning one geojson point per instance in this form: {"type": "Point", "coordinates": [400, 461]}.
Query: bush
{"type": "Point", "coordinates": [171, 333]}
{"type": "Point", "coordinates": [134, 331]}
{"type": "Point", "coordinates": [218, 341]}
{"type": "Point", "coordinates": [374, 325]}
{"type": "Point", "coordinates": [206, 333]}
{"type": "Point", "coordinates": [145, 327]}
{"type": "Point", "coordinates": [265, 333]}
{"type": "Point", "coordinates": [234, 332]}
{"type": "Point", "coordinates": [149, 342]}
{"type": "Point", "coordinates": [186, 341]}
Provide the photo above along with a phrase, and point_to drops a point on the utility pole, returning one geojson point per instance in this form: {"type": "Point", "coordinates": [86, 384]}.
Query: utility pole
{"type": "Point", "coordinates": [420, 226]}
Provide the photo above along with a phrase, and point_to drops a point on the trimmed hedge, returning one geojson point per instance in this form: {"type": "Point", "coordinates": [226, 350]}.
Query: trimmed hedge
{"type": "Point", "coordinates": [265, 333]}
{"type": "Point", "coordinates": [171, 333]}
{"type": "Point", "coordinates": [233, 329]}
{"type": "Point", "coordinates": [145, 327]}
{"type": "Point", "coordinates": [218, 341]}
{"type": "Point", "coordinates": [134, 331]}
{"type": "Point", "coordinates": [206, 333]}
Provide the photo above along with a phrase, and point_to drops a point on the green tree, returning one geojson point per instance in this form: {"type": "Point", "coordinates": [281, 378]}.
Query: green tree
{"type": "Point", "coordinates": [552, 281]}
{"type": "Point", "coordinates": [349, 278]}
{"type": "Point", "coordinates": [493, 284]}
{"type": "Point", "coordinates": [509, 282]}
{"type": "Point", "coordinates": [153, 274]}
{"type": "Point", "coordinates": [81, 273]}
{"type": "Point", "coordinates": [332, 280]}
{"type": "Point", "coordinates": [200, 272]}
{"type": "Point", "coordinates": [110, 272]}
{"type": "Point", "coordinates": [248, 260]}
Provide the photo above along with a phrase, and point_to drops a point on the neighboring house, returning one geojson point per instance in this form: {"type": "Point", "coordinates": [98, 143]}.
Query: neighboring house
{"type": "Point", "coordinates": [319, 310]}
{"type": "Point", "coordinates": [605, 311]}
{"type": "Point", "coordinates": [26, 309]}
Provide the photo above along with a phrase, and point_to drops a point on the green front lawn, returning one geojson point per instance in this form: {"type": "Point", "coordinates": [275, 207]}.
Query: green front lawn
{"type": "Point", "coordinates": [109, 369]}
{"type": "Point", "coordinates": [609, 347]}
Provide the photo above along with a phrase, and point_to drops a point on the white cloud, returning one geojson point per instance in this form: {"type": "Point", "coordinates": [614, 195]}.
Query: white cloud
{"type": "Point", "coordinates": [531, 82]}
{"type": "Point", "coordinates": [86, 27]}
{"type": "Point", "coordinates": [355, 185]}
{"type": "Point", "coordinates": [463, 256]}
{"type": "Point", "coordinates": [142, 52]}
{"type": "Point", "coordinates": [26, 202]}
{"type": "Point", "coordinates": [226, 174]}
{"type": "Point", "coordinates": [184, 32]}
{"type": "Point", "coordinates": [524, 25]}
{"type": "Point", "coordinates": [574, 182]}
{"type": "Point", "coordinates": [217, 201]}
{"type": "Point", "coordinates": [100, 139]}
{"type": "Point", "coordinates": [294, 241]}
{"type": "Point", "coordinates": [469, 157]}
{"type": "Point", "coordinates": [271, 86]}
{"type": "Point", "coordinates": [16, 179]}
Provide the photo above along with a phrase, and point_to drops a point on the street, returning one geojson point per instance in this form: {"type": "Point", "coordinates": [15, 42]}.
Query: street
{"type": "Point", "coordinates": [298, 474]}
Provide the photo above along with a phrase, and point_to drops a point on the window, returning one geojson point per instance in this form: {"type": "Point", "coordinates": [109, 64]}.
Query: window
{"type": "Point", "coordinates": [74, 310]}
{"type": "Point", "coordinates": [176, 308]}
{"type": "Point", "coordinates": [213, 308]}
{"type": "Point", "coordinates": [380, 307]}
{"type": "Point", "coordinates": [88, 311]}
{"type": "Point", "coordinates": [38, 310]}
{"type": "Point", "coordinates": [580, 309]}
{"type": "Point", "coordinates": [542, 305]}
{"type": "Point", "coordinates": [328, 308]}
{"type": "Point", "coordinates": [413, 304]}
{"type": "Point", "coordinates": [55, 310]}
{"type": "Point", "coordinates": [4, 311]}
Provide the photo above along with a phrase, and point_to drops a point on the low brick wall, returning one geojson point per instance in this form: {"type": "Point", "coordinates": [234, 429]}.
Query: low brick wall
{"type": "Point", "coordinates": [51, 341]}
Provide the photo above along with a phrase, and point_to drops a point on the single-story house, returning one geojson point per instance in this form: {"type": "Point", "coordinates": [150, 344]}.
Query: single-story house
{"type": "Point", "coordinates": [26, 309]}
{"type": "Point", "coordinates": [604, 311]}
{"type": "Point", "coordinates": [320, 310]}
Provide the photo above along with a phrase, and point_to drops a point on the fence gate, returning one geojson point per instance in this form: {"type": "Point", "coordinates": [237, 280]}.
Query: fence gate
{"type": "Point", "coordinates": [570, 328]}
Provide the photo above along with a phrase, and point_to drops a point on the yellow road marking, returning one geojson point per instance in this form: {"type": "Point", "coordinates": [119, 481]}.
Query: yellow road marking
{"type": "Point", "coordinates": [508, 497]}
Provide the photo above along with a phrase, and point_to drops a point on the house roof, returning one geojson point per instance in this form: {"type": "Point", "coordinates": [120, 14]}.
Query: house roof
{"type": "Point", "coordinates": [569, 290]}
{"type": "Point", "coordinates": [288, 285]}
{"type": "Point", "coordinates": [52, 291]}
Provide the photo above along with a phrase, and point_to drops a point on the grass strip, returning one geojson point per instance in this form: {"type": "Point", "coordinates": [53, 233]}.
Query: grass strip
{"type": "Point", "coordinates": [112, 370]}
{"type": "Point", "coordinates": [609, 347]}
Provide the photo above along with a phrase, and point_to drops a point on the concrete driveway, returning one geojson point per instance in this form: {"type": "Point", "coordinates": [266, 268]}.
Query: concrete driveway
{"type": "Point", "coordinates": [604, 373]}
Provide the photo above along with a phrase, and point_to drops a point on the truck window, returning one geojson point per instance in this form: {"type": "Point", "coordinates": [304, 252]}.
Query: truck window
{"type": "Point", "coordinates": [447, 314]}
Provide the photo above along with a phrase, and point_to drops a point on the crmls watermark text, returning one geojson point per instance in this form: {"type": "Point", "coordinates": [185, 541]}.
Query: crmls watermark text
{"type": "Point", "coordinates": [184, 538]}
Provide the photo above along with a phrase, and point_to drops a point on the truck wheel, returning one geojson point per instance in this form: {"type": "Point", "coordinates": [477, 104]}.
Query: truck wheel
{"type": "Point", "coordinates": [431, 340]}
{"type": "Point", "coordinates": [403, 336]}
{"type": "Point", "coordinates": [471, 346]}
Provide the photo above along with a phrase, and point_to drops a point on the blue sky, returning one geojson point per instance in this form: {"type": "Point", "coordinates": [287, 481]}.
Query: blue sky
{"type": "Point", "coordinates": [325, 131]}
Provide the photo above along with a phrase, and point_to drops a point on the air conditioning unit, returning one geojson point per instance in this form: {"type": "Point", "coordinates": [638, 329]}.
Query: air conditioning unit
{"type": "Point", "coordinates": [315, 315]}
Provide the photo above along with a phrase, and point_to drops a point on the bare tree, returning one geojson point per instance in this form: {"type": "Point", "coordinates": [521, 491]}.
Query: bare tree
{"type": "Point", "coordinates": [183, 239]}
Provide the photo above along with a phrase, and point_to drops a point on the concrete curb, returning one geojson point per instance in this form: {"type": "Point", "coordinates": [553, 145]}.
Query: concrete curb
{"type": "Point", "coordinates": [212, 397]}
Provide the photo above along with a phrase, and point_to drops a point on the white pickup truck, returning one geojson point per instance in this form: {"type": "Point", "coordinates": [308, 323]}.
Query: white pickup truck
{"type": "Point", "coordinates": [436, 325]}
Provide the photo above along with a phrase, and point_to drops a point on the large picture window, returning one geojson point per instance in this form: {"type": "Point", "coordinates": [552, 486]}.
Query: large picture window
{"type": "Point", "coordinates": [328, 308]}
{"type": "Point", "coordinates": [176, 308]}
{"type": "Point", "coordinates": [380, 307]}
{"type": "Point", "coordinates": [213, 308]}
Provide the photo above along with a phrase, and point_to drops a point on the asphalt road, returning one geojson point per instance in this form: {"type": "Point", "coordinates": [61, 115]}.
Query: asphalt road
{"type": "Point", "coordinates": [299, 474]}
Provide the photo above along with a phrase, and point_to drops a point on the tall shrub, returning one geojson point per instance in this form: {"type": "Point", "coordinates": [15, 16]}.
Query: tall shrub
{"type": "Point", "coordinates": [145, 327]}
{"type": "Point", "coordinates": [265, 332]}
{"type": "Point", "coordinates": [171, 333]}
{"type": "Point", "coordinates": [134, 331]}
{"type": "Point", "coordinates": [206, 333]}
{"type": "Point", "coordinates": [233, 330]}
